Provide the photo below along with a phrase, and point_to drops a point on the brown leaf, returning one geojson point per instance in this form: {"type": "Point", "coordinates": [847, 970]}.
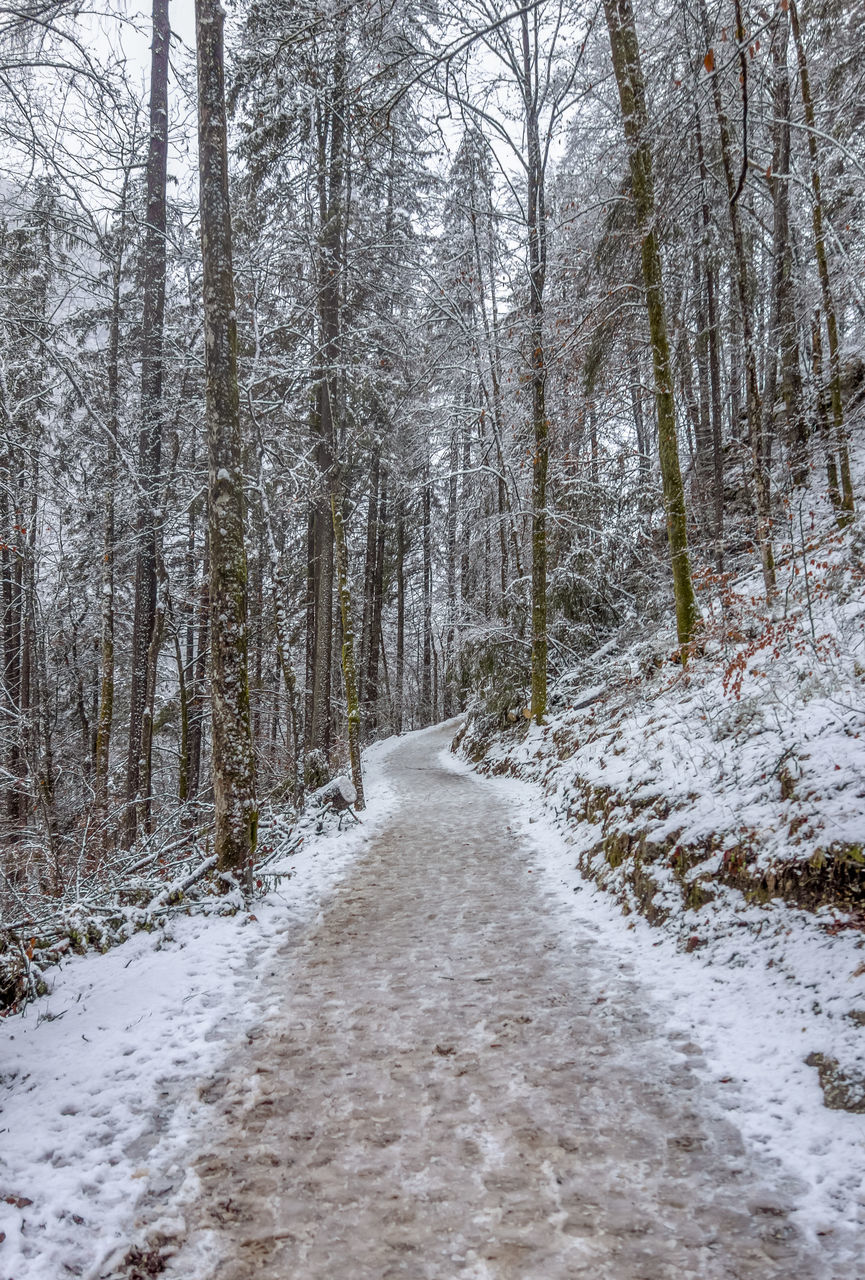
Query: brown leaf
{"type": "Point", "coordinates": [709, 61]}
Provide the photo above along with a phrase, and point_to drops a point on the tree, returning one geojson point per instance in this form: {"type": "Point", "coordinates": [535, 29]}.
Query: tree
{"type": "Point", "coordinates": [236, 820]}
{"type": "Point", "coordinates": [741, 275]}
{"type": "Point", "coordinates": [629, 80]}
{"type": "Point", "coordinates": [838, 444]}
{"type": "Point", "coordinates": [145, 641]}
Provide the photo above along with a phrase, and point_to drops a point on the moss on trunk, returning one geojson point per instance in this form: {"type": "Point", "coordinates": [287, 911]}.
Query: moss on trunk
{"type": "Point", "coordinates": [232, 757]}
{"type": "Point", "coordinates": [629, 79]}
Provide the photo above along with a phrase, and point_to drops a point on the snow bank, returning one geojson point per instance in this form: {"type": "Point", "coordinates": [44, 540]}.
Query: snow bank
{"type": "Point", "coordinates": [724, 804]}
{"type": "Point", "coordinates": [97, 1075]}
{"type": "Point", "coordinates": [771, 987]}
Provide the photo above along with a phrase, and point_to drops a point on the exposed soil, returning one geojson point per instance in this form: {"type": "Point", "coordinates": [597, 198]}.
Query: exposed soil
{"type": "Point", "coordinates": [459, 1081]}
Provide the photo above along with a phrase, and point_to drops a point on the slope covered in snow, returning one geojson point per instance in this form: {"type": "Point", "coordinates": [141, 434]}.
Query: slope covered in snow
{"type": "Point", "coordinates": [767, 988]}
{"type": "Point", "coordinates": [98, 1073]}
{"type": "Point", "coordinates": [724, 802]}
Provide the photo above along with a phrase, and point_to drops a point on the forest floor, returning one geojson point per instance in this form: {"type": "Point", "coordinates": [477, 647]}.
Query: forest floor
{"type": "Point", "coordinates": [452, 1057]}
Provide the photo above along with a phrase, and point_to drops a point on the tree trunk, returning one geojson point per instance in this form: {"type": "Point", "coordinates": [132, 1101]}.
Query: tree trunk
{"type": "Point", "coordinates": [451, 567]}
{"type": "Point", "coordinates": [283, 649]}
{"type": "Point", "coordinates": [12, 602]}
{"type": "Point", "coordinates": [377, 606]}
{"type": "Point", "coordinates": [145, 814]}
{"type": "Point", "coordinates": [826, 434]}
{"type": "Point", "coordinates": [629, 78]}
{"type": "Point", "coordinates": [711, 320]}
{"type": "Point", "coordinates": [368, 641]}
{"type": "Point", "coordinates": [844, 511]}
{"type": "Point", "coordinates": [399, 673]}
{"type": "Point", "coordinates": [323, 640]}
{"type": "Point", "coordinates": [309, 628]}
{"type": "Point", "coordinates": [188, 646]}
{"type": "Point", "coordinates": [102, 754]}
{"type": "Point", "coordinates": [349, 670]}
{"type": "Point", "coordinates": [150, 434]}
{"type": "Point", "coordinates": [426, 697]}
{"type": "Point", "coordinates": [740, 273]}
{"type": "Point", "coordinates": [199, 682]}
{"type": "Point", "coordinates": [183, 698]}
{"type": "Point", "coordinates": [537, 229]}
{"type": "Point", "coordinates": [331, 126]}
{"type": "Point", "coordinates": [232, 755]}
{"type": "Point", "coordinates": [785, 338]}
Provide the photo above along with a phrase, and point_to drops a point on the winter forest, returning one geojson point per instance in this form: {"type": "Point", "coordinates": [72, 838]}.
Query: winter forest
{"type": "Point", "coordinates": [548, 331]}
{"type": "Point", "coordinates": [373, 365]}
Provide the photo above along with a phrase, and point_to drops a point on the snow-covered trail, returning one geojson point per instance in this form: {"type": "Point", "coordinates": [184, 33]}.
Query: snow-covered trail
{"type": "Point", "coordinates": [449, 1077]}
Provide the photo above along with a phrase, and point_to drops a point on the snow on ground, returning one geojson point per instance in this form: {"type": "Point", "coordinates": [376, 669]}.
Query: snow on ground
{"type": "Point", "coordinates": [747, 764]}
{"type": "Point", "coordinates": [770, 986]}
{"type": "Point", "coordinates": [99, 1076]}
{"type": "Point", "coordinates": [96, 1073]}
{"type": "Point", "coordinates": [759, 741]}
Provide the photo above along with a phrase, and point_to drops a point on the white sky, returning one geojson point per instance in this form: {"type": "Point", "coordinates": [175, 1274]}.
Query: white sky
{"type": "Point", "coordinates": [121, 31]}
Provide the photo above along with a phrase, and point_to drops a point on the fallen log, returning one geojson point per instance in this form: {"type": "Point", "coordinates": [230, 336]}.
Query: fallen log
{"type": "Point", "coordinates": [179, 887]}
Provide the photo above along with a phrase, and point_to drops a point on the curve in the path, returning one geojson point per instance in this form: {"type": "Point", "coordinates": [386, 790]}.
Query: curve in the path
{"type": "Point", "coordinates": [456, 1086]}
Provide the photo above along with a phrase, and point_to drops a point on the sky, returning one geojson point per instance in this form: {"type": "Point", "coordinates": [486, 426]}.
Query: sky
{"type": "Point", "coordinates": [119, 31]}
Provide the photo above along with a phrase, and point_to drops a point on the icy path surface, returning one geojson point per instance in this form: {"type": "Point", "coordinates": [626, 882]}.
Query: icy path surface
{"type": "Point", "coordinates": [448, 1078]}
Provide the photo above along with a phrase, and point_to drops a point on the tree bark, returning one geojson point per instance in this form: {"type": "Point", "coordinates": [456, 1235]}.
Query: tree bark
{"type": "Point", "coordinates": [236, 817]}
{"type": "Point", "coordinates": [368, 640]}
{"type": "Point", "coordinates": [102, 753]}
{"type": "Point", "coordinates": [451, 567]}
{"type": "Point", "coordinates": [711, 320]}
{"type": "Point", "coordinates": [629, 78]}
{"type": "Point", "coordinates": [283, 648]}
{"type": "Point", "coordinates": [785, 338]}
{"type": "Point", "coordinates": [199, 680]}
{"type": "Point", "coordinates": [399, 673]}
{"type": "Point", "coordinates": [331, 176]}
{"type": "Point", "coordinates": [349, 670]}
{"type": "Point", "coordinates": [426, 691]}
{"type": "Point", "coordinates": [537, 229]}
{"type": "Point", "coordinates": [150, 434]}
{"type": "Point", "coordinates": [846, 506]}
{"type": "Point", "coordinates": [826, 434]}
{"type": "Point", "coordinates": [740, 272]}
{"type": "Point", "coordinates": [377, 607]}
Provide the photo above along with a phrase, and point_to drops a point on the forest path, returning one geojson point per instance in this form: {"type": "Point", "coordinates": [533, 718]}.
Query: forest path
{"type": "Point", "coordinates": [462, 1081]}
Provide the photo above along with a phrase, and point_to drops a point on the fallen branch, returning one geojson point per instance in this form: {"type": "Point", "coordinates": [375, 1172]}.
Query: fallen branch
{"type": "Point", "coordinates": [179, 887]}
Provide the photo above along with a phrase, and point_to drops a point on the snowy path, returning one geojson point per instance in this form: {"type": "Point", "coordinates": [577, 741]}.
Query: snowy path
{"type": "Point", "coordinates": [449, 1078]}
